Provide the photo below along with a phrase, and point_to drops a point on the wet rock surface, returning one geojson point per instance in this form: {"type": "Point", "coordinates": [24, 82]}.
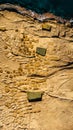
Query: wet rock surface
{"type": "Point", "coordinates": [22, 69]}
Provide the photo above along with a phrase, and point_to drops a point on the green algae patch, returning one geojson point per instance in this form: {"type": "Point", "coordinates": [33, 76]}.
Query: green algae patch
{"type": "Point", "coordinates": [41, 51]}
{"type": "Point", "coordinates": [34, 96]}
{"type": "Point", "coordinates": [46, 27]}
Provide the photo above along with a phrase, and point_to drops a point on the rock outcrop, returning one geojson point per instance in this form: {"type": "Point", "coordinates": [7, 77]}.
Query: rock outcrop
{"type": "Point", "coordinates": [23, 69]}
{"type": "Point", "coordinates": [40, 17]}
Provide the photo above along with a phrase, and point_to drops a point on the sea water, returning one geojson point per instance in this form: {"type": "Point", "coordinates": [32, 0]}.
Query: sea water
{"type": "Point", "coordinates": [63, 8]}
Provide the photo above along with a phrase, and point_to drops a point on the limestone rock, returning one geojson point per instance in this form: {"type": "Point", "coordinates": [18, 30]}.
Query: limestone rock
{"type": "Point", "coordinates": [24, 77]}
{"type": "Point", "coordinates": [2, 28]}
{"type": "Point", "coordinates": [55, 33]}
{"type": "Point", "coordinates": [1, 125]}
{"type": "Point", "coordinates": [62, 34]}
{"type": "Point", "coordinates": [68, 24]}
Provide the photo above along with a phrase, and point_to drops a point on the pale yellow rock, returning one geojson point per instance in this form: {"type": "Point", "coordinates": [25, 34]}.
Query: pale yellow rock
{"type": "Point", "coordinates": [1, 125]}
{"type": "Point", "coordinates": [7, 89]}
{"type": "Point", "coordinates": [2, 28]}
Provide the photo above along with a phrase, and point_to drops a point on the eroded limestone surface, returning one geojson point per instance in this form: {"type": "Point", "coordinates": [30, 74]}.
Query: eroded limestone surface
{"type": "Point", "coordinates": [22, 70]}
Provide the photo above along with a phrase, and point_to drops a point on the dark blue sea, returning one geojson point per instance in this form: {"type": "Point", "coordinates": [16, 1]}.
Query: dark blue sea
{"type": "Point", "coordinates": [63, 8]}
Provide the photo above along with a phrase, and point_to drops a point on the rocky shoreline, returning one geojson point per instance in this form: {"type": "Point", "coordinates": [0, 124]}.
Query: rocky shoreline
{"type": "Point", "coordinates": [40, 17]}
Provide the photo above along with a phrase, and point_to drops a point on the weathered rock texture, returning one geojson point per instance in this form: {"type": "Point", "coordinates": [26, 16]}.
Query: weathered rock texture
{"type": "Point", "coordinates": [22, 70]}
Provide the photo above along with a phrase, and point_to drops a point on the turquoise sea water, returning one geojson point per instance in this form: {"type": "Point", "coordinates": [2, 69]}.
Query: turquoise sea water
{"type": "Point", "coordinates": [62, 8]}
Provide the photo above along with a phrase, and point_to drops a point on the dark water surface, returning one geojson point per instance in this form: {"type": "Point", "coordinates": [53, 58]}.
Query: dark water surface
{"type": "Point", "coordinates": [62, 8]}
